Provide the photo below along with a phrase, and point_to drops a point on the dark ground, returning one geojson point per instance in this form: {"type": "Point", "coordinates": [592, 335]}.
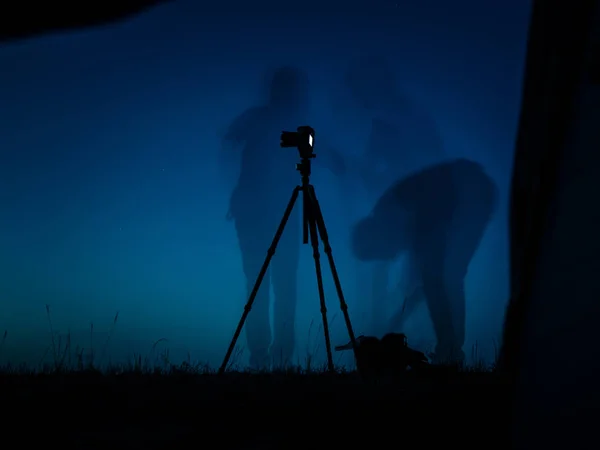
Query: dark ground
{"type": "Point", "coordinates": [252, 411]}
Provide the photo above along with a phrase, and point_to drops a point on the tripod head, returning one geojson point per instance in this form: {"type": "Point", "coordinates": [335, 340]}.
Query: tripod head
{"type": "Point", "coordinates": [303, 139]}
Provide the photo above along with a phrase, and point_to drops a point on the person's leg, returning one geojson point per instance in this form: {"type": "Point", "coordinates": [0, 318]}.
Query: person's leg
{"type": "Point", "coordinates": [362, 303]}
{"type": "Point", "coordinates": [379, 295]}
{"type": "Point", "coordinates": [254, 242]}
{"type": "Point", "coordinates": [285, 285]}
{"type": "Point", "coordinates": [407, 294]}
{"type": "Point", "coordinates": [407, 306]}
{"type": "Point", "coordinates": [431, 252]}
{"type": "Point", "coordinates": [464, 237]}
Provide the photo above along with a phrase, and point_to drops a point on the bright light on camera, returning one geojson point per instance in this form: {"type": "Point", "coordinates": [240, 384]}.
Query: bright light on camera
{"type": "Point", "coordinates": [310, 140]}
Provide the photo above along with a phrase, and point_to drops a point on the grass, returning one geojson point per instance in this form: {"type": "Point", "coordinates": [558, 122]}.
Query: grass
{"type": "Point", "coordinates": [152, 403]}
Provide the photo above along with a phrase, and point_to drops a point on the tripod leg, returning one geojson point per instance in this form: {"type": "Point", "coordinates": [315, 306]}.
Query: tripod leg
{"type": "Point", "coordinates": [305, 212]}
{"type": "Point", "coordinates": [309, 217]}
{"type": "Point", "coordinates": [261, 275]}
{"type": "Point", "coordinates": [320, 222]}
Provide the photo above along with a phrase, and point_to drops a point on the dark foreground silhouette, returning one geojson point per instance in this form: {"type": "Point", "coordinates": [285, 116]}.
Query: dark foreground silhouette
{"type": "Point", "coordinates": [182, 408]}
{"type": "Point", "coordinates": [23, 20]}
{"type": "Point", "coordinates": [388, 356]}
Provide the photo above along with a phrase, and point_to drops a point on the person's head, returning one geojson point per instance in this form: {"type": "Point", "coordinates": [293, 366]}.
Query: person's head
{"type": "Point", "coordinates": [289, 90]}
{"type": "Point", "coordinates": [371, 81]}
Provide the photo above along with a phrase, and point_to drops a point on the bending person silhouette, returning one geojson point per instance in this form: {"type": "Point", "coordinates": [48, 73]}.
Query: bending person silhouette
{"type": "Point", "coordinates": [266, 180]}
{"type": "Point", "coordinates": [402, 139]}
{"type": "Point", "coordinates": [439, 215]}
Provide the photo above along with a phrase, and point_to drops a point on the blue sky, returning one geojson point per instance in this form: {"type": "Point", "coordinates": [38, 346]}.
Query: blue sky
{"type": "Point", "coordinates": [110, 194]}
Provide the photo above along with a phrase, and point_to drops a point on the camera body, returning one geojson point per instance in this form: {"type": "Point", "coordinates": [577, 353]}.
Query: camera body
{"type": "Point", "coordinates": [303, 139]}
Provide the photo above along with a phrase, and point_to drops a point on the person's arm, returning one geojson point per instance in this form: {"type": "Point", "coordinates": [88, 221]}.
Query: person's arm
{"type": "Point", "coordinates": [243, 126]}
{"type": "Point", "coordinates": [330, 158]}
{"type": "Point", "coordinates": [239, 130]}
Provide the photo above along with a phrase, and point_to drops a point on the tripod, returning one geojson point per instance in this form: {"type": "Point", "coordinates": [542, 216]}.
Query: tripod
{"type": "Point", "coordinates": [313, 225]}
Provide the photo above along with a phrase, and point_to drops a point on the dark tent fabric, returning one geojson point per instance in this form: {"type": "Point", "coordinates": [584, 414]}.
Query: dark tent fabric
{"type": "Point", "coordinates": [549, 347]}
{"type": "Point", "coordinates": [26, 19]}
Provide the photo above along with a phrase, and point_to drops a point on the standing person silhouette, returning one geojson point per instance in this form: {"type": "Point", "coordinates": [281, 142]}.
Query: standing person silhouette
{"type": "Point", "coordinates": [402, 139]}
{"type": "Point", "coordinates": [263, 189]}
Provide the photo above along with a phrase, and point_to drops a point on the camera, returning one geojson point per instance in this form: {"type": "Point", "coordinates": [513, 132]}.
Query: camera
{"type": "Point", "coordinates": [303, 139]}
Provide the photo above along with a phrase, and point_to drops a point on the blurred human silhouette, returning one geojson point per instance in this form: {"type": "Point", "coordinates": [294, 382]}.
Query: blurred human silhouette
{"type": "Point", "coordinates": [257, 203]}
{"type": "Point", "coordinates": [402, 138]}
{"type": "Point", "coordinates": [438, 215]}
